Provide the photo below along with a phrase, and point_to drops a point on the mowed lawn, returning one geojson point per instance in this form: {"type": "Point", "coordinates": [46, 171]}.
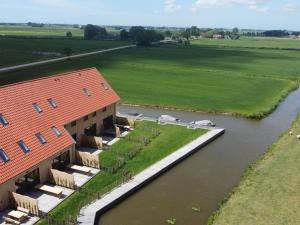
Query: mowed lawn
{"type": "Point", "coordinates": [269, 193]}
{"type": "Point", "coordinates": [14, 51]}
{"type": "Point", "coordinates": [253, 42]}
{"type": "Point", "coordinates": [248, 82]}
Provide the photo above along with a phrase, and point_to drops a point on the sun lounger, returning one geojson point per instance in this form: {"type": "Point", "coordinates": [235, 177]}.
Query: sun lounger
{"type": "Point", "coordinates": [81, 169]}
{"type": "Point", "coordinates": [50, 190]}
{"type": "Point", "coordinates": [26, 211]}
{"type": "Point", "coordinates": [10, 220]}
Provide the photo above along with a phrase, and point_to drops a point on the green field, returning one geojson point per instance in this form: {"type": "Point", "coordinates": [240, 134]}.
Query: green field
{"type": "Point", "coordinates": [253, 42]}
{"type": "Point", "coordinates": [14, 51]}
{"type": "Point", "coordinates": [248, 82]}
{"type": "Point", "coordinates": [39, 31]}
{"type": "Point", "coordinates": [269, 192]}
{"type": "Point", "coordinates": [170, 139]}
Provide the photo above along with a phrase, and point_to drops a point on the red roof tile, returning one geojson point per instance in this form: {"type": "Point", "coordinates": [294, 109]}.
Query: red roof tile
{"type": "Point", "coordinates": [24, 122]}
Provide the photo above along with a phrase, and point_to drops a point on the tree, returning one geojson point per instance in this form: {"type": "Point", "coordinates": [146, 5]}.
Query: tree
{"type": "Point", "coordinates": [94, 32]}
{"type": "Point", "coordinates": [69, 34]}
{"type": "Point", "coordinates": [194, 31]}
{"type": "Point", "coordinates": [147, 37]}
{"type": "Point", "coordinates": [135, 31]}
{"type": "Point", "coordinates": [167, 33]}
{"type": "Point", "coordinates": [275, 33]}
{"type": "Point", "coordinates": [235, 31]}
{"type": "Point", "coordinates": [186, 33]}
{"type": "Point", "coordinates": [124, 34]}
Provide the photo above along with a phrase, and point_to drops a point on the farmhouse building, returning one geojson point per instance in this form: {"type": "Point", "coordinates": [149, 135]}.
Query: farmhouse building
{"type": "Point", "coordinates": [218, 36]}
{"type": "Point", "coordinates": [43, 121]}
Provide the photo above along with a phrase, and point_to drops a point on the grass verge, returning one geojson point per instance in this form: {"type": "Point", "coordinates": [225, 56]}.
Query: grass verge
{"type": "Point", "coordinates": [269, 192]}
{"type": "Point", "coordinates": [169, 139]}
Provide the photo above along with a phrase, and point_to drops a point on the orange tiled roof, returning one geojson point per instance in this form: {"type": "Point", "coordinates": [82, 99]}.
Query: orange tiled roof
{"type": "Point", "coordinates": [24, 122]}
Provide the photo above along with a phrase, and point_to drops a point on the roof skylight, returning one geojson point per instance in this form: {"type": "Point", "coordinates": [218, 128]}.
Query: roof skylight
{"type": "Point", "coordinates": [41, 138]}
{"type": "Point", "coordinates": [23, 146]}
{"type": "Point", "coordinates": [3, 156]}
{"type": "Point", "coordinates": [3, 121]}
{"type": "Point", "coordinates": [56, 131]}
{"type": "Point", "coordinates": [86, 91]}
{"type": "Point", "coordinates": [37, 107]}
{"type": "Point", "coordinates": [105, 86]}
{"type": "Point", "coordinates": [52, 103]}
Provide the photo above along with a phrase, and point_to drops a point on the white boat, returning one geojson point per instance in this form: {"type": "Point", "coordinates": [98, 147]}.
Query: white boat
{"type": "Point", "coordinates": [168, 119]}
{"type": "Point", "coordinates": [202, 123]}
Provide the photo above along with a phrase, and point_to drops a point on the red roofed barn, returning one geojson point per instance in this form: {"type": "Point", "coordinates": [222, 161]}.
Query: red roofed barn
{"type": "Point", "coordinates": [42, 119]}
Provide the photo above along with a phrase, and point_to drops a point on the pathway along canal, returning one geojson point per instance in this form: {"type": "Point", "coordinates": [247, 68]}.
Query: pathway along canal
{"type": "Point", "coordinates": [205, 178]}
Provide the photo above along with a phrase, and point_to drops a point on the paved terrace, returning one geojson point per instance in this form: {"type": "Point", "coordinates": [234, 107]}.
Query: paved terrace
{"type": "Point", "coordinates": [89, 213]}
{"type": "Point", "coordinates": [48, 202]}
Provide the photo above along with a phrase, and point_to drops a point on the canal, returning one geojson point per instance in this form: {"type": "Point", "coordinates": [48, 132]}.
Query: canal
{"type": "Point", "coordinates": [204, 179]}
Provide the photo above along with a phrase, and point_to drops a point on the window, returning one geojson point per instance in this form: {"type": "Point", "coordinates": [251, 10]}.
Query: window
{"type": "Point", "coordinates": [37, 107]}
{"type": "Point", "coordinates": [85, 118]}
{"type": "Point", "coordinates": [41, 138]}
{"type": "Point", "coordinates": [104, 109]}
{"type": "Point", "coordinates": [23, 146]}
{"type": "Point", "coordinates": [73, 124]}
{"type": "Point", "coordinates": [94, 114]}
{"type": "Point", "coordinates": [86, 91]}
{"type": "Point", "coordinates": [52, 103]}
{"type": "Point", "coordinates": [3, 121]}
{"type": "Point", "coordinates": [56, 131]}
{"type": "Point", "coordinates": [105, 86]}
{"type": "Point", "coordinates": [3, 156]}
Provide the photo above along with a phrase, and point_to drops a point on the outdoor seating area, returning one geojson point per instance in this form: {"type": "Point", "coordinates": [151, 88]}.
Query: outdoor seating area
{"type": "Point", "coordinates": [16, 217]}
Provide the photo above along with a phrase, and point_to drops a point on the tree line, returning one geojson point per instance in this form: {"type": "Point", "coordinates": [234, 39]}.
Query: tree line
{"type": "Point", "coordinates": [142, 36]}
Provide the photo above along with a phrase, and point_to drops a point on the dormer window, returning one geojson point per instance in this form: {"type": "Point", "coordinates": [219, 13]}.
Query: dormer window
{"type": "Point", "coordinates": [56, 131]}
{"type": "Point", "coordinates": [3, 121]}
{"type": "Point", "coordinates": [3, 156]}
{"type": "Point", "coordinates": [105, 86]}
{"type": "Point", "coordinates": [23, 146]}
{"type": "Point", "coordinates": [41, 138]}
{"type": "Point", "coordinates": [52, 103]}
{"type": "Point", "coordinates": [86, 91]}
{"type": "Point", "coordinates": [37, 107]}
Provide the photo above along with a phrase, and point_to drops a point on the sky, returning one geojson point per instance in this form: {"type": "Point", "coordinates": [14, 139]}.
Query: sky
{"type": "Point", "coordinates": [252, 14]}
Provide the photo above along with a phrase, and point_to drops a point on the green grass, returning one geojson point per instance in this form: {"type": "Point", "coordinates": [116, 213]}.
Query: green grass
{"type": "Point", "coordinates": [269, 192]}
{"type": "Point", "coordinates": [170, 139]}
{"type": "Point", "coordinates": [253, 42]}
{"type": "Point", "coordinates": [39, 31]}
{"type": "Point", "coordinates": [247, 82]}
{"type": "Point", "coordinates": [14, 51]}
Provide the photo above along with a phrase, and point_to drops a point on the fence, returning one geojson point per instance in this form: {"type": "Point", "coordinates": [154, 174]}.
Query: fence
{"type": "Point", "coordinates": [90, 197]}
{"type": "Point", "coordinates": [62, 179]}
{"type": "Point", "coordinates": [26, 203]}
{"type": "Point", "coordinates": [87, 159]}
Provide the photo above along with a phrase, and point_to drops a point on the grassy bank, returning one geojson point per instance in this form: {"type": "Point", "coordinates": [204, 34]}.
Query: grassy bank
{"type": "Point", "coordinates": [269, 192]}
{"type": "Point", "coordinates": [162, 141]}
{"type": "Point", "coordinates": [247, 82]}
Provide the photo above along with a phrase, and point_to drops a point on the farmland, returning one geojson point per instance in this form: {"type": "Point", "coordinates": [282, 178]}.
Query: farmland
{"type": "Point", "coordinates": [253, 42]}
{"type": "Point", "coordinates": [38, 31]}
{"type": "Point", "coordinates": [247, 82]}
{"type": "Point", "coordinates": [269, 193]}
{"type": "Point", "coordinates": [18, 51]}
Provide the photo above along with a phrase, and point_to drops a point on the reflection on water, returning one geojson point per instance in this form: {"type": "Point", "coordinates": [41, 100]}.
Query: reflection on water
{"type": "Point", "coordinates": [205, 178]}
